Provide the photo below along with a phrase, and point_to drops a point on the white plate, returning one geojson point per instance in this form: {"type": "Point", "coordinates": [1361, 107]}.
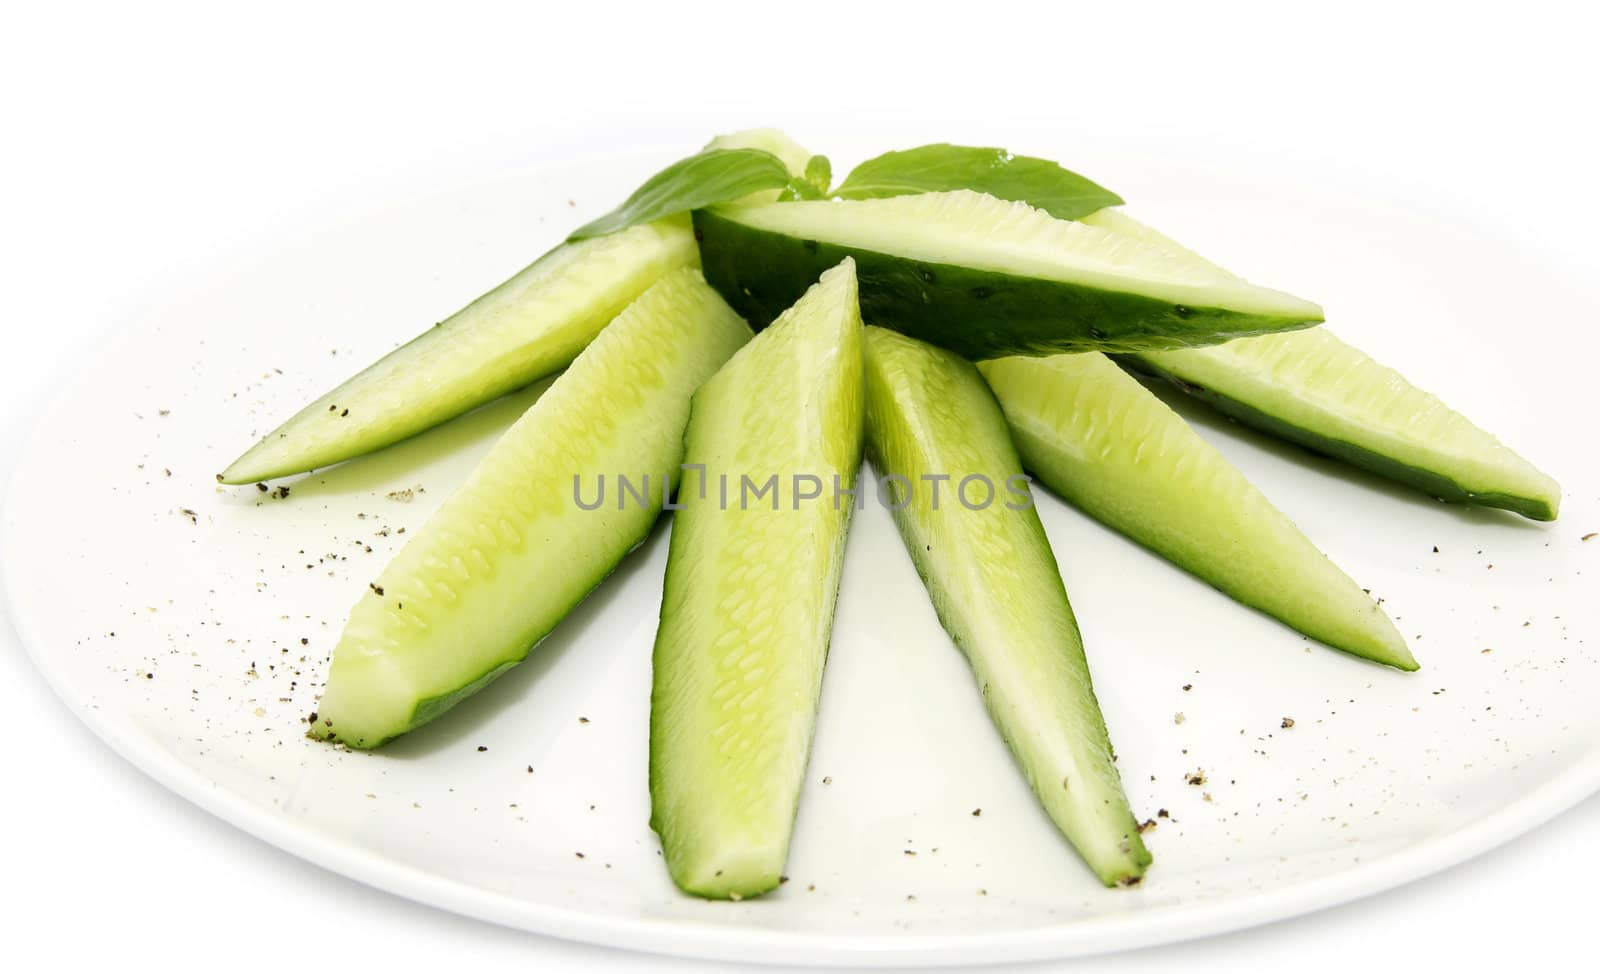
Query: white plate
{"type": "Point", "coordinates": [178, 638]}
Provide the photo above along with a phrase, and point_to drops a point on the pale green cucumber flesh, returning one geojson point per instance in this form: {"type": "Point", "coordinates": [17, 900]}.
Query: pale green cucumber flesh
{"type": "Point", "coordinates": [750, 588]}
{"type": "Point", "coordinates": [529, 327]}
{"type": "Point", "coordinates": [985, 277]}
{"type": "Point", "coordinates": [1312, 389]}
{"type": "Point", "coordinates": [993, 580]}
{"type": "Point", "coordinates": [515, 548]}
{"type": "Point", "coordinates": [1094, 435]}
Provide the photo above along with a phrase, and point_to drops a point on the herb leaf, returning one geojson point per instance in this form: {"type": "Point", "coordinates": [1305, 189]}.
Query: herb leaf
{"type": "Point", "coordinates": [1063, 194]}
{"type": "Point", "coordinates": [819, 173]}
{"type": "Point", "coordinates": [711, 176]}
{"type": "Point", "coordinates": [813, 185]}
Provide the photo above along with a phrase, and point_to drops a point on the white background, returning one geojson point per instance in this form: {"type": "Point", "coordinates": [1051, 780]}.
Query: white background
{"type": "Point", "coordinates": [136, 139]}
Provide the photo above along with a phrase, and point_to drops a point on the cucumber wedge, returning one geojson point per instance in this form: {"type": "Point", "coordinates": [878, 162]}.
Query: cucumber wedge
{"type": "Point", "coordinates": [1092, 434]}
{"type": "Point", "coordinates": [1312, 389]}
{"type": "Point", "coordinates": [994, 582]}
{"type": "Point", "coordinates": [984, 277]}
{"type": "Point", "coordinates": [530, 327]}
{"type": "Point", "coordinates": [750, 590]}
{"type": "Point", "coordinates": [517, 547]}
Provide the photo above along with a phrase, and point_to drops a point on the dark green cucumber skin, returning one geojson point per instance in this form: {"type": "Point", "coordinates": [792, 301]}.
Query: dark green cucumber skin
{"type": "Point", "coordinates": [1430, 482]}
{"type": "Point", "coordinates": [432, 707]}
{"type": "Point", "coordinates": [975, 313]}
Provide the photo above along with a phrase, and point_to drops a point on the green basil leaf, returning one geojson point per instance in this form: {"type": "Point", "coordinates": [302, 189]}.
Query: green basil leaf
{"type": "Point", "coordinates": [819, 173]}
{"type": "Point", "coordinates": [1063, 194]}
{"type": "Point", "coordinates": [712, 176]}
{"type": "Point", "coordinates": [813, 185]}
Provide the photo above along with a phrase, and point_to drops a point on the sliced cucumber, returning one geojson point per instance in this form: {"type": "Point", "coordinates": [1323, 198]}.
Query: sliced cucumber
{"type": "Point", "coordinates": [993, 579]}
{"type": "Point", "coordinates": [530, 327]}
{"type": "Point", "coordinates": [984, 277]}
{"type": "Point", "coordinates": [750, 590]}
{"type": "Point", "coordinates": [517, 547]}
{"type": "Point", "coordinates": [1310, 388]}
{"type": "Point", "coordinates": [1093, 434]}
